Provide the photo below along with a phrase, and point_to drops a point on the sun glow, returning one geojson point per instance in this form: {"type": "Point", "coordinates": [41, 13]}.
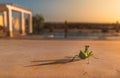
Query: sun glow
{"type": "Point", "coordinates": [86, 11]}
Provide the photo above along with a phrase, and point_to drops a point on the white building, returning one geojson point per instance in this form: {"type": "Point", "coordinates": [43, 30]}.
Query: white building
{"type": "Point", "coordinates": [11, 24]}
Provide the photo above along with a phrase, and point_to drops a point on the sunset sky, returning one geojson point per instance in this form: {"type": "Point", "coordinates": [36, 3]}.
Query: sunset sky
{"type": "Point", "coordinates": [101, 11]}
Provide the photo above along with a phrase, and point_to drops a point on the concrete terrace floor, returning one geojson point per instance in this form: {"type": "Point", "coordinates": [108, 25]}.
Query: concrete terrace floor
{"type": "Point", "coordinates": [50, 59]}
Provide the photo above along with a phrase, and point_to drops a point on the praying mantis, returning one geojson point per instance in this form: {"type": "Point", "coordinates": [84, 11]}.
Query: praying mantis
{"type": "Point", "coordinates": [84, 54]}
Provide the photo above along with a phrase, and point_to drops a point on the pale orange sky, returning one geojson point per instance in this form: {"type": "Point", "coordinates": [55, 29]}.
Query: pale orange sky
{"type": "Point", "coordinates": [88, 11]}
{"type": "Point", "coordinates": [74, 10]}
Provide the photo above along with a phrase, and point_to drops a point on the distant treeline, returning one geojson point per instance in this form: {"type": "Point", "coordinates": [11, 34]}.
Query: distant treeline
{"type": "Point", "coordinates": [40, 26]}
{"type": "Point", "coordinates": [81, 26]}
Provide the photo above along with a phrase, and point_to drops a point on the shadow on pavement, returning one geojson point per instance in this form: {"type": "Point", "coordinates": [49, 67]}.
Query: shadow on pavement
{"type": "Point", "coordinates": [52, 62]}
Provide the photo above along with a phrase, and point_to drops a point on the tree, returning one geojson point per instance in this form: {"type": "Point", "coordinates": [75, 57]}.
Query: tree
{"type": "Point", "coordinates": [117, 26]}
{"type": "Point", "coordinates": [66, 29]}
{"type": "Point", "coordinates": [38, 23]}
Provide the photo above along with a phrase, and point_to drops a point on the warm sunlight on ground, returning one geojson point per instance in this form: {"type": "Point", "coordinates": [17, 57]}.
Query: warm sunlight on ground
{"type": "Point", "coordinates": [49, 59]}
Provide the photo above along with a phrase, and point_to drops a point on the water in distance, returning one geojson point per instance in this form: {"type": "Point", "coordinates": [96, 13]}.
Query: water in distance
{"type": "Point", "coordinates": [78, 35]}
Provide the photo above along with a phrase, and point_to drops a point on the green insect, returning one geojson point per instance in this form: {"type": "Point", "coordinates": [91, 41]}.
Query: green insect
{"type": "Point", "coordinates": [84, 54]}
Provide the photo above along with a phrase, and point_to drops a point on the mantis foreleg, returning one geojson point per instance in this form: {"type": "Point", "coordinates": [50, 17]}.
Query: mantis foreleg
{"type": "Point", "coordinates": [74, 57]}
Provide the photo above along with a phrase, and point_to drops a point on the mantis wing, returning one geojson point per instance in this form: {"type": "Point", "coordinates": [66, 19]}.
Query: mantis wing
{"type": "Point", "coordinates": [82, 55]}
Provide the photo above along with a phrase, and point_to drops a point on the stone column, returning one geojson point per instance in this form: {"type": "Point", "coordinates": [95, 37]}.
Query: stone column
{"type": "Point", "coordinates": [10, 27]}
{"type": "Point", "coordinates": [5, 20]}
{"type": "Point", "coordinates": [30, 23]}
{"type": "Point", "coordinates": [22, 21]}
